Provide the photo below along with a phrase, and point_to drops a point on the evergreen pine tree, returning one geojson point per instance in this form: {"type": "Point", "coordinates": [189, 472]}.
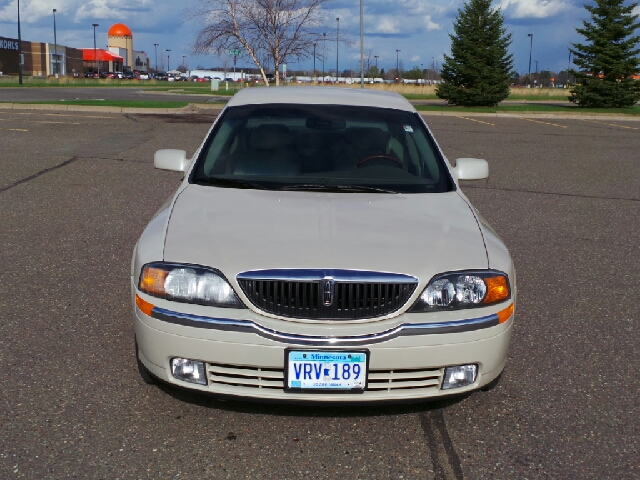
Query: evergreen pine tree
{"type": "Point", "coordinates": [479, 69]}
{"type": "Point", "coordinates": [608, 59]}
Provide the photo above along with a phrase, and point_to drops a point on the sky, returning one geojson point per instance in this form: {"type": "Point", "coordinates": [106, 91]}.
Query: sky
{"type": "Point", "coordinates": [418, 28]}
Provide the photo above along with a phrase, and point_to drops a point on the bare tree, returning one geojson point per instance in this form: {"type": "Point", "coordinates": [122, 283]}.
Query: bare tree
{"type": "Point", "coordinates": [283, 29]}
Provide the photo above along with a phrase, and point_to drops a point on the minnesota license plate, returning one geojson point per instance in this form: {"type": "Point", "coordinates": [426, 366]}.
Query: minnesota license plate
{"type": "Point", "coordinates": [326, 370]}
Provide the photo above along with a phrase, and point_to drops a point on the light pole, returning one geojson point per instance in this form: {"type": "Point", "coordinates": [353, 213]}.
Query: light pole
{"type": "Point", "coordinates": [536, 66]}
{"type": "Point", "coordinates": [314, 63]}
{"type": "Point", "coordinates": [155, 46]}
{"type": "Point", "coordinates": [337, 43]}
{"type": "Point", "coordinates": [20, 55]}
{"type": "Point", "coordinates": [569, 67]}
{"type": "Point", "coordinates": [530, 49]}
{"type": "Point", "coordinates": [361, 47]}
{"type": "Point", "coordinates": [324, 52]}
{"type": "Point", "coordinates": [398, 65]}
{"type": "Point", "coordinates": [376, 57]}
{"type": "Point", "coordinates": [95, 52]}
{"type": "Point", "coordinates": [184, 61]}
{"type": "Point", "coordinates": [168, 60]}
{"type": "Point", "coordinates": [55, 40]}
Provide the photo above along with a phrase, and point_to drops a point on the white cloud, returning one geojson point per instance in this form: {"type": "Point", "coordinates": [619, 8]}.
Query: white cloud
{"type": "Point", "coordinates": [533, 8]}
{"type": "Point", "coordinates": [415, 58]}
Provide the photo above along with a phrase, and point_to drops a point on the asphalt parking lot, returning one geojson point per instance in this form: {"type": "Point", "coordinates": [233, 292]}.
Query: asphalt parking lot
{"type": "Point", "coordinates": [77, 189]}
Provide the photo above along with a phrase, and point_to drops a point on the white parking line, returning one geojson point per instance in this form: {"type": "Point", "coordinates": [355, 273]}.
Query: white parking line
{"type": "Point", "coordinates": [41, 121]}
{"type": "Point", "coordinates": [59, 115]}
{"type": "Point", "coordinates": [15, 129]}
{"type": "Point", "coordinates": [479, 121]}
{"type": "Point", "coordinates": [545, 123]}
{"type": "Point", "coordinates": [612, 124]}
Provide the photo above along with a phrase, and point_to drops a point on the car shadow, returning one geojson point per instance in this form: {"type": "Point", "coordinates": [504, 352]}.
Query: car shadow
{"type": "Point", "coordinates": [293, 409]}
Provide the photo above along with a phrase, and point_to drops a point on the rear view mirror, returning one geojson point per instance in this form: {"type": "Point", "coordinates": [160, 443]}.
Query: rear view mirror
{"type": "Point", "coordinates": [471, 169]}
{"type": "Point", "coordinates": [173, 160]}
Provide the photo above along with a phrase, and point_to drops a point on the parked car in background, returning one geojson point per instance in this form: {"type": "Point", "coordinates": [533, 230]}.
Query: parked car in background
{"type": "Point", "coordinates": [160, 76]}
{"type": "Point", "coordinates": [319, 249]}
{"type": "Point", "coordinates": [144, 76]}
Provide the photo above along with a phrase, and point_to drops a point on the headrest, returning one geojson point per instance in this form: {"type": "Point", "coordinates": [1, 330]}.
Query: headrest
{"type": "Point", "coordinates": [269, 137]}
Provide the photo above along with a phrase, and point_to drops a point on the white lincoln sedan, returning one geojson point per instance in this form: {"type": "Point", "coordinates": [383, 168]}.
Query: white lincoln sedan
{"type": "Point", "coordinates": [319, 249]}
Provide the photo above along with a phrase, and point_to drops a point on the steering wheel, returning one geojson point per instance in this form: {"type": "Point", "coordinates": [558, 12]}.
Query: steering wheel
{"type": "Point", "coordinates": [380, 156]}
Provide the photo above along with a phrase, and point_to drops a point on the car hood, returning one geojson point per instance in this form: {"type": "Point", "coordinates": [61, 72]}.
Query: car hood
{"type": "Point", "coordinates": [236, 230]}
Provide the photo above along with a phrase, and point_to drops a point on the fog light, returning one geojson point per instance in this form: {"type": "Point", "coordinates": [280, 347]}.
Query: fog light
{"type": "Point", "coordinates": [191, 371]}
{"type": "Point", "coordinates": [460, 376]}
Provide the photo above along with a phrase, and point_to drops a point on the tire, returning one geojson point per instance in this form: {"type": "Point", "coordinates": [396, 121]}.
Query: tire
{"type": "Point", "coordinates": [146, 376]}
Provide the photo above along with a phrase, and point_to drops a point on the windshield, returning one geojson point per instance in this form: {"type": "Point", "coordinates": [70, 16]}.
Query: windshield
{"type": "Point", "coordinates": [322, 147]}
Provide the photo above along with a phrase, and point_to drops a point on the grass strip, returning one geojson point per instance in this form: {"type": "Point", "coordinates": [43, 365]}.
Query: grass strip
{"type": "Point", "coordinates": [528, 108]}
{"type": "Point", "coordinates": [111, 103]}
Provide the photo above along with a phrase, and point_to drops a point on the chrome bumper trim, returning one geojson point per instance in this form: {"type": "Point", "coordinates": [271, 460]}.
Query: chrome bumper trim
{"type": "Point", "coordinates": [249, 326]}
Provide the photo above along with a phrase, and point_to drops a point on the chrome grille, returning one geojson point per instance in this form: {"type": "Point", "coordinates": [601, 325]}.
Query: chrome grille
{"type": "Point", "coordinates": [341, 295]}
{"type": "Point", "coordinates": [234, 378]}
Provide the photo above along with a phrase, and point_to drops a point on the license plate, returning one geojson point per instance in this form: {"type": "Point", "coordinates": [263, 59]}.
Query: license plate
{"type": "Point", "coordinates": [326, 370]}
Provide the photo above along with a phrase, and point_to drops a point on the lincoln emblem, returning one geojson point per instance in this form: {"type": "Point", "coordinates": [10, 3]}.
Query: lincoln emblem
{"type": "Point", "coordinates": [327, 291]}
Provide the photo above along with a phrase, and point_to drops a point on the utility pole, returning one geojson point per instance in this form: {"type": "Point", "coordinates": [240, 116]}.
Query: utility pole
{"type": "Point", "coordinates": [324, 52]}
{"type": "Point", "coordinates": [55, 40]}
{"type": "Point", "coordinates": [20, 54]}
{"type": "Point", "coordinates": [398, 64]}
{"type": "Point", "coordinates": [569, 67]}
{"type": "Point", "coordinates": [337, 43]}
{"type": "Point", "coordinates": [155, 46]}
{"type": "Point", "coordinates": [168, 60]}
{"type": "Point", "coordinates": [530, 49]}
{"type": "Point", "coordinates": [314, 63]}
{"type": "Point", "coordinates": [361, 47]}
{"type": "Point", "coordinates": [95, 51]}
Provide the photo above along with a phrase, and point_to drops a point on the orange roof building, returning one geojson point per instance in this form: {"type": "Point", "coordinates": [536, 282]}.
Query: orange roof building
{"type": "Point", "coordinates": [120, 41]}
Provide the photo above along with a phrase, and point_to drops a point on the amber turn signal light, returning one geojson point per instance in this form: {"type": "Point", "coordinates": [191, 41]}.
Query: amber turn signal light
{"type": "Point", "coordinates": [152, 281]}
{"type": "Point", "coordinates": [497, 289]}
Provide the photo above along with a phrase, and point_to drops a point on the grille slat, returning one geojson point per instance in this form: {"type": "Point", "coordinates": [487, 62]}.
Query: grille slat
{"type": "Point", "coordinates": [305, 299]}
{"type": "Point", "coordinates": [223, 377]}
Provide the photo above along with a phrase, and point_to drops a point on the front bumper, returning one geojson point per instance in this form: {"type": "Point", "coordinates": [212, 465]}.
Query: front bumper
{"type": "Point", "coordinates": [245, 359]}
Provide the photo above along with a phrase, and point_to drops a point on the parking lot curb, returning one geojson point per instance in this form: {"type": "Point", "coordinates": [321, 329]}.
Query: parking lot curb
{"type": "Point", "coordinates": [196, 108]}
{"type": "Point", "coordinates": [192, 108]}
{"type": "Point", "coordinates": [547, 115]}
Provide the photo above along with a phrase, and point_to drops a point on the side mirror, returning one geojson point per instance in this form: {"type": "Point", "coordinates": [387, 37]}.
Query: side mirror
{"type": "Point", "coordinates": [471, 169]}
{"type": "Point", "coordinates": [173, 160]}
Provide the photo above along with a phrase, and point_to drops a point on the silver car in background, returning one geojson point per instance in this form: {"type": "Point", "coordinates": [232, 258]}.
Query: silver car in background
{"type": "Point", "coordinates": [319, 249]}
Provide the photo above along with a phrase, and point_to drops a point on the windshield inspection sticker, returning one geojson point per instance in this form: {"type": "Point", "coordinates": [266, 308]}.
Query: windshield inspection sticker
{"type": "Point", "coordinates": [408, 128]}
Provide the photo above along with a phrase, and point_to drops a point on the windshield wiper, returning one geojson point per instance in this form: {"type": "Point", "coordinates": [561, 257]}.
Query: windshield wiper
{"type": "Point", "coordinates": [336, 188]}
{"type": "Point", "coordinates": [229, 183]}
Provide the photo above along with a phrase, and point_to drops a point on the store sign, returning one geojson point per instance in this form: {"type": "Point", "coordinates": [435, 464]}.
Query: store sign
{"type": "Point", "coordinates": [8, 44]}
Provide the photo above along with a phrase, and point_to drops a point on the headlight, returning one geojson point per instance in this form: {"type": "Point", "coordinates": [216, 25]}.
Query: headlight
{"type": "Point", "coordinates": [452, 291]}
{"type": "Point", "coordinates": [189, 284]}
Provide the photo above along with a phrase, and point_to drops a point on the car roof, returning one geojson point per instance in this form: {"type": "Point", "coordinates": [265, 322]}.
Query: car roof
{"type": "Point", "coordinates": [320, 96]}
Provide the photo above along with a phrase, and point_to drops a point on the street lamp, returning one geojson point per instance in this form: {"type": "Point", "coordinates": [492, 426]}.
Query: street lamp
{"type": "Point", "coordinates": [184, 61]}
{"type": "Point", "coordinates": [376, 57]}
{"type": "Point", "coordinates": [361, 47]}
{"type": "Point", "coordinates": [20, 54]}
{"type": "Point", "coordinates": [324, 52]}
{"type": "Point", "coordinates": [168, 60]}
{"type": "Point", "coordinates": [398, 64]}
{"type": "Point", "coordinates": [95, 55]}
{"type": "Point", "coordinates": [155, 46]}
{"type": "Point", "coordinates": [337, 42]}
{"type": "Point", "coordinates": [55, 40]}
{"type": "Point", "coordinates": [569, 67]}
{"type": "Point", "coordinates": [314, 63]}
{"type": "Point", "coordinates": [536, 66]}
{"type": "Point", "coordinates": [530, 49]}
